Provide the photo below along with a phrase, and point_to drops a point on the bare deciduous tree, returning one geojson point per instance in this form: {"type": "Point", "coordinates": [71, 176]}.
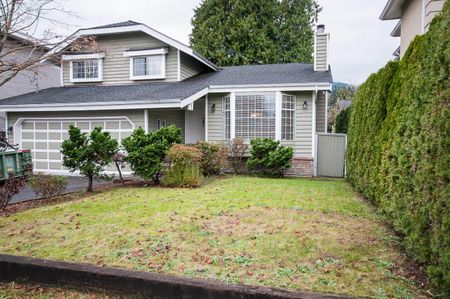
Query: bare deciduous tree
{"type": "Point", "coordinates": [19, 21]}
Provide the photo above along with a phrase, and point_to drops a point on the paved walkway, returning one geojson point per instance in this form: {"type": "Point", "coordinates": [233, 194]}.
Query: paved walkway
{"type": "Point", "coordinates": [73, 184]}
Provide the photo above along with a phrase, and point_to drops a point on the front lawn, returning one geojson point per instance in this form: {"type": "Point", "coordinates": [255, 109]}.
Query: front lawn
{"type": "Point", "coordinates": [291, 233]}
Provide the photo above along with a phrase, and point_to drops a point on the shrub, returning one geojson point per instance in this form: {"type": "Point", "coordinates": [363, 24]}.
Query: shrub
{"type": "Point", "coordinates": [12, 185]}
{"type": "Point", "coordinates": [399, 147]}
{"type": "Point", "coordinates": [88, 154]}
{"type": "Point", "coordinates": [214, 158]}
{"type": "Point", "coordinates": [342, 120]}
{"type": "Point", "coordinates": [269, 157]}
{"type": "Point", "coordinates": [237, 149]}
{"type": "Point", "coordinates": [47, 186]}
{"type": "Point", "coordinates": [184, 168]}
{"type": "Point", "coordinates": [146, 151]}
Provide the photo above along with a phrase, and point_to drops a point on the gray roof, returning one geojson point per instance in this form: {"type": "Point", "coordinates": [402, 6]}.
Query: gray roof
{"type": "Point", "coordinates": [120, 24]}
{"type": "Point", "coordinates": [293, 73]}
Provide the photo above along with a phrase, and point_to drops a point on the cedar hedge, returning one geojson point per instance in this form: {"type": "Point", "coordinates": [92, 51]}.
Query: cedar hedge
{"type": "Point", "coordinates": [342, 120]}
{"type": "Point", "coordinates": [399, 147]}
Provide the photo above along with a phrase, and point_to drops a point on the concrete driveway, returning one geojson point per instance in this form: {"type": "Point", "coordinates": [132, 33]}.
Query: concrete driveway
{"type": "Point", "coordinates": [73, 184]}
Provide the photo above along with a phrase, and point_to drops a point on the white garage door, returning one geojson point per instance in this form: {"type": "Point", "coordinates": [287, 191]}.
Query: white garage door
{"type": "Point", "coordinates": [44, 137]}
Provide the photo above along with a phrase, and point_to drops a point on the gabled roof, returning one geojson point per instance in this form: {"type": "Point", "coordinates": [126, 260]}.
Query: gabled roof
{"type": "Point", "coordinates": [295, 75]}
{"type": "Point", "coordinates": [132, 26]}
{"type": "Point", "coordinates": [120, 24]}
{"type": "Point", "coordinates": [392, 10]}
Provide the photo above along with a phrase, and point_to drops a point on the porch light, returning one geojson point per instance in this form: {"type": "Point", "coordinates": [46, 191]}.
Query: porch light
{"type": "Point", "coordinates": [305, 105]}
{"type": "Point", "coordinates": [213, 108]}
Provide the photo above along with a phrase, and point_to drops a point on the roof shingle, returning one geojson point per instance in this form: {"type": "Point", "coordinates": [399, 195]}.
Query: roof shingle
{"type": "Point", "coordinates": [273, 74]}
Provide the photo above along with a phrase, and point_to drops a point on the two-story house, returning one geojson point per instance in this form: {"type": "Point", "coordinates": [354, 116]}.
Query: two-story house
{"type": "Point", "coordinates": [414, 18]}
{"type": "Point", "coordinates": [139, 77]}
{"type": "Point", "coordinates": [41, 76]}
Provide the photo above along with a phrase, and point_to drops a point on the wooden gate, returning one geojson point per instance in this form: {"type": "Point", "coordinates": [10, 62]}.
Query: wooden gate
{"type": "Point", "coordinates": [330, 153]}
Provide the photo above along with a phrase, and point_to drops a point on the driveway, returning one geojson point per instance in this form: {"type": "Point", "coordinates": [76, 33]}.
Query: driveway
{"type": "Point", "coordinates": [73, 184]}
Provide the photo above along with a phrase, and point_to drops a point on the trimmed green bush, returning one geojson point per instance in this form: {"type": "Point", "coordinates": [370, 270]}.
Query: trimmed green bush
{"type": "Point", "coordinates": [269, 157]}
{"type": "Point", "coordinates": [399, 147]}
{"type": "Point", "coordinates": [214, 158]}
{"type": "Point", "coordinates": [184, 171]}
{"type": "Point", "coordinates": [146, 151]}
{"type": "Point", "coordinates": [342, 120]}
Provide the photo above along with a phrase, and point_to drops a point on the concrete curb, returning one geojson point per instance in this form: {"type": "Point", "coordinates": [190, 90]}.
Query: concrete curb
{"type": "Point", "coordinates": [142, 284]}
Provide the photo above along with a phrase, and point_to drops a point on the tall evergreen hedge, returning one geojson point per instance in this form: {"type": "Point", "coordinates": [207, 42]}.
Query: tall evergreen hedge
{"type": "Point", "coordinates": [399, 147]}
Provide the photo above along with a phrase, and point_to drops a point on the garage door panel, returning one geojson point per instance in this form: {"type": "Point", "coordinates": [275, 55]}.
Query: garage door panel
{"type": "Point", "coordinates": [44, 138]}
{"type": "Point", "coordinates": [40, 136]}
{"type": "Point", "coordinates": [40, 126]}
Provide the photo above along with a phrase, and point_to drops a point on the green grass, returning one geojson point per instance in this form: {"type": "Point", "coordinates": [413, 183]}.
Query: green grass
{"type": "Point", "coordinates": [291, 233]}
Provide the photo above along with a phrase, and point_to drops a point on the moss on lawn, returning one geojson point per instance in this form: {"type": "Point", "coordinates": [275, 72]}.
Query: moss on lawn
{"type": "Point", "coordinates": [291, 233]}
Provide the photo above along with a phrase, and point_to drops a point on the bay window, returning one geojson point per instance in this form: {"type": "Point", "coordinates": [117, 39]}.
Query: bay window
{"type": "Point", "coordinates": [255, 116]}
{"type": "Point", "coordinates": [226, 118]}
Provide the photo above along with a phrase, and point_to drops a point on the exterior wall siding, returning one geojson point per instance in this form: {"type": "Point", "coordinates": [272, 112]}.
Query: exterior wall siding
{"type": "Point", "coordinates": [171, 116]}
{"type": "Point", "coordinates": [116, 67]}
{"type": "Point", "coordinates": [189, 66]}
{"type": "Point", "coordinates": [411, 23]}
{"type": "Point", "coordinates": [432, 8]}
{"type": "Point", "coordinates": [320, 113]}
{"type": "Point", "coordinates": [321, 52]}
{"type": "Point", "coordinates": [302, 142]}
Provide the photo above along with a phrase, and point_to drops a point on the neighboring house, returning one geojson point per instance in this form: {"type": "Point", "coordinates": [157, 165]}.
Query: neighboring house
{"type": "Point", "coordinates": [414, 18]}
{"type": "Point", "coordinates": [333, 112]}
{"type": "Point", "coordinates": [138, 77]}
{"type": "Point", "coordinates": [45, 75]}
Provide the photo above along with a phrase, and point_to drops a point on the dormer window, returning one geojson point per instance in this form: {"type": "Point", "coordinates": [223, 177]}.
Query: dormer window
{"type": "Point", "coordinates": [85, 67]}
{"type": "Point", "coordinates": [147, 64]}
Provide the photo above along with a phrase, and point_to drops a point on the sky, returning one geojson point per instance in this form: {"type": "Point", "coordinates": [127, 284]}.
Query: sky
{"type": "Point", "coordinates": [360, 43]}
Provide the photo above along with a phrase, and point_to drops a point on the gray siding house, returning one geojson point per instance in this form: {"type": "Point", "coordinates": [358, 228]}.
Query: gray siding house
{"type": "Point", "coordinates": [414, 18]}
{"type": "Point", "coordinates": [45, 75]}
{"type": "Point", "coordinates": [138, 77]}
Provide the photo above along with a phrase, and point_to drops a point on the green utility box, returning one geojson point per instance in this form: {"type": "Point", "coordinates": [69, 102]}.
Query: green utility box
{"type": "Point", "coordinates": [17, 162]}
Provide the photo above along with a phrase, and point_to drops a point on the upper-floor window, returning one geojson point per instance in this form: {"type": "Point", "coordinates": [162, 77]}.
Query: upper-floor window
{"type": "Point", "coordinates": [149, 67]}
{"type": "Point", "coordinates": [85, 67]}
{"type": "Point", "coordinates": [147, 64]}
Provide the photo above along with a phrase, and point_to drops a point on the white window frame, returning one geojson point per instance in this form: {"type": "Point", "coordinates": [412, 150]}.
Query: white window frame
{"type": "Point", "coordinates": [278, 113]}
{"type": "Point", "coordinates": [224, 118]}
{"type": "Point", "coordinates": [160, 123]}
{"type": "Point", "coordinates": [264, 94]}
{"type": "Point", "coordinates": [100, 71]}
{"type": "Point", "coordinates": [294, 110]}
{"type": "Point", "coordinates": [162, 52]}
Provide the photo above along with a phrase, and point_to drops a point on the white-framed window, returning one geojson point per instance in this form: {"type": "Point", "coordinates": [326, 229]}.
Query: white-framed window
{"type": "Point", "coordinates": [255, 116]}
{"type": "Point", "coordinates": [288, 117]}
{"type": "Point", "coordinates": [226, 118]}
{"type": "Point", "coordinates": [160, 124]}
{"type": "Point", "coordinates": [148, 67]}
{"type": "Point", "coordinates": [86, 70]}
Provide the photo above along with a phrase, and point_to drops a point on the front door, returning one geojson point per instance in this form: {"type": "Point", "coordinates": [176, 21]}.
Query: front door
{"type": "Point", "coordinates": [195, 123]}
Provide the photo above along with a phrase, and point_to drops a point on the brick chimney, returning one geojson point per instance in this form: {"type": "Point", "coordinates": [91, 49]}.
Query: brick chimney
{"type": "Point", "coordinates": [321, 49]}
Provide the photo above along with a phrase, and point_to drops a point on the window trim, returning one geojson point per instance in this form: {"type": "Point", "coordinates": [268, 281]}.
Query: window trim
{"type": "Point", "coordinates": [224, 132]}
{"type": "Point", "coordinates": [294, 119]}
{"type": "Point", "coordinates": [80, 80]}
{"type": "Point", "coordinates": [148, 77]}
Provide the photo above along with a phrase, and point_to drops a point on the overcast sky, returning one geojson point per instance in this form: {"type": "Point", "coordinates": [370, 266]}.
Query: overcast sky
{"type": "Point", "coordinates": [360, 42]}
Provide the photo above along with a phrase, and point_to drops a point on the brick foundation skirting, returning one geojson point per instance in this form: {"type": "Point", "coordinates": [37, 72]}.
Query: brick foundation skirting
{"type": "Point", "coordinates": [303, 167]}
{"type": "Point", "coordinates": [138, 284]}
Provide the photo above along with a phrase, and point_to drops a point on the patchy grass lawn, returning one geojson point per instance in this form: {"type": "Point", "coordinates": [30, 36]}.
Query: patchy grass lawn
{"type": "Point", "coordinates": [291, 233]}
{"type": "Point", "coordinates": [21, 290]}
